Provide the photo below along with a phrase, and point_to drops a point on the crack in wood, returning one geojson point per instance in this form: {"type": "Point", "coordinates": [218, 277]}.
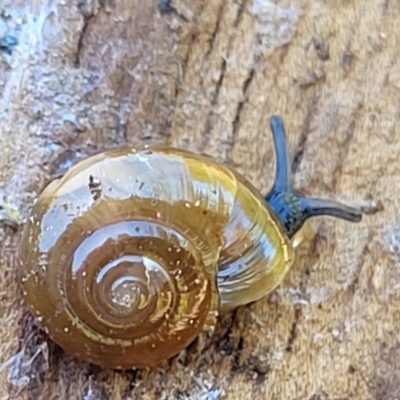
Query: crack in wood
{"type": "Point", "coordinates": [79, 48]}
{"type": "Point", "coordinates": [30, 364]}
{"type": "Point", "coordinates": [207, 127]}
{"type": "Point", "coordinates": [214, 101]}
{"type": "Point", "coordinates": [352, 287]}
{"type": "Point", "coordinates": [181, 77]}
{"type": "Point", "coordinates": [224, 344]}
{"type": "Point", "coordinates": [236, 121]}
{"type": "Point", "coordinates": [345, 146]}
{"type": "Point", "coordinates": [293, 330]}
{"type": "Point", "coordinates": [132, 376]}
{"type": "Point", "coordinates": [92, 370]}
{"type": "Point", "coordinates": [216, 29]}
{"type": "Point", "coordinates": [304, 278]}
{"type": "Point", "coordinates": [301, 145]}
{"type": "Point", "coordinates": [235, 366]}
{"type": "Point", "coordinates": [240, 13]}
{"type": "Point", "coordinates": [249, 366]}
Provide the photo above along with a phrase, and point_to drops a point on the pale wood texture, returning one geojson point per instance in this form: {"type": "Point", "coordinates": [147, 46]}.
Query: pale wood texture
{"type": "Point", "coordinates": [207, 75]}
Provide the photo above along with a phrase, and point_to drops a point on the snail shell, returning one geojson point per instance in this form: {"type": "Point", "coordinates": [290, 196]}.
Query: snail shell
{"type": "Point", "coordinates": [121, 256]}
{"type": "Point", "coordinates": [129, 256]}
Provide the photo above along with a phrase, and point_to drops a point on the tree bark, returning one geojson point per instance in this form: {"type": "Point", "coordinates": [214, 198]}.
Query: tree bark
{"type": "Point", "coordinates": [207, 76]}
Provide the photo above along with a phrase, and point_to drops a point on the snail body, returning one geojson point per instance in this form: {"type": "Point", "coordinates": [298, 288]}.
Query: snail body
{"type": "Point", "coordinates": [130, 255]}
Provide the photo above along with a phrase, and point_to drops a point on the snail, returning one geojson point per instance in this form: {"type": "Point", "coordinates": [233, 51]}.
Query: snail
{"type": "Point", "coordinates": [130, 256]}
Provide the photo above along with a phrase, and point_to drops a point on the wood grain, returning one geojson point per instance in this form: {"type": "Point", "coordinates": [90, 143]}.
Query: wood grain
{"type": "Point", "coordinates": [207, 76]}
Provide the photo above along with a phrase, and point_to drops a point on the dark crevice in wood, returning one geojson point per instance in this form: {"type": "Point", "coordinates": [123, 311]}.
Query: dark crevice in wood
{"type": "Point", "coordinates": [132, 376]}
{"type": "Point", "coordinates": [216, 29]}
{"type": "Point", "coordinates": [9, 225]}
{"type": "Point", "coordinates": [293, 330]}
{"type": "Point", "coordinates": [345, 146]}
{"type": "Point", "coordinates": [214, 102]}
{"type": "Point", "coordinates": [301, 145]}
{"type": "Point", "coordinates": [79, 49]}
{"type": "Point", "coordinates": [93, 388]}
{"type": "Point", "coordinates": [224, 345]}
{"type": "Point", "coordinates": [284, 51]}
{"type": "Point", "coordinates": [353, 285]}
{"type": "Point", "coordinates": [26, 364]}
{"type": "Point", "coordinates": [92, 370]}
{"type": "Point", "coordinates": [240, 13]}
{"type": "Point", "coordinates": [312, 254]}
{"type": "Point", "coordinates": [246, 84]}
{"type": "Point", "coordinates": [185, 61]}
{"type": "Point", "coordinates": [260, 365]}
{"type": "Point", "coordinates": [236, 359]}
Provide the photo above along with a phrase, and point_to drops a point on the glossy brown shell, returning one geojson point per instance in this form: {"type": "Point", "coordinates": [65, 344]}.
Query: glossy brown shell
{"type": "Point", "coordinates": [127, 258]}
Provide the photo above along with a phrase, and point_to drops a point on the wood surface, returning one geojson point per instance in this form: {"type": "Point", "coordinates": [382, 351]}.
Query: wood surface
{"type": "Point", "coordinates": [207, 76]}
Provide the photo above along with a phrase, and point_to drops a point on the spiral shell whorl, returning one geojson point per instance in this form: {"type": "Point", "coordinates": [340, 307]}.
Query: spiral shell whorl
{"type": "Point", "coordinates": [119, 280]}
{"type": "Point", "coordinates": [129, 287]}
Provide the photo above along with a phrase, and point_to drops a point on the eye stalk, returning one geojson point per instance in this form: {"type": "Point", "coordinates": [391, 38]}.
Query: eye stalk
{"type": "Point", "coordinates": [292, 209]}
